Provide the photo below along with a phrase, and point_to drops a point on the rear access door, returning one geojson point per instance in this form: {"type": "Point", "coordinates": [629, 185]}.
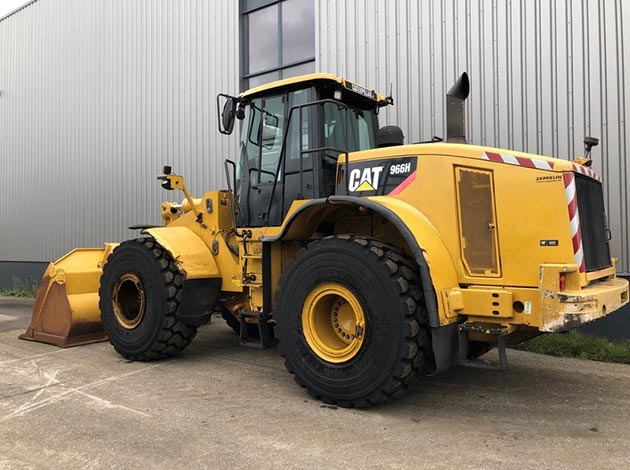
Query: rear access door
{"type": "Point", "coordinates": [477, 222]}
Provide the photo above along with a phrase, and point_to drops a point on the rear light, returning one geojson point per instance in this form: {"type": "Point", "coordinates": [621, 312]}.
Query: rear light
{"type": "Point", "coordinates": [563, 281]}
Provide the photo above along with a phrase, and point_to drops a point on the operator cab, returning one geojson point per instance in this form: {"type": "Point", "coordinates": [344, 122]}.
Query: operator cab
{"type": "Point", "coordinates": [292, 133]}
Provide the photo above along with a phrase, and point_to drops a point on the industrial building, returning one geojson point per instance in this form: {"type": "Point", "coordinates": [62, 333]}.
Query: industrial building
{"type": "Point", "coordinates": [96, 96]}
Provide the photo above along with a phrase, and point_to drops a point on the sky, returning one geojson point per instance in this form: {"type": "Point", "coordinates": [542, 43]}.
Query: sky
{"type": "Point", "coordinates": [7, 6]}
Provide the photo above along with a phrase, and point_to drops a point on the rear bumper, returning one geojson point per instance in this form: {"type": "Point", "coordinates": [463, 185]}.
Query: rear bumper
{"type": "Point", "coordinates": [570, 309]}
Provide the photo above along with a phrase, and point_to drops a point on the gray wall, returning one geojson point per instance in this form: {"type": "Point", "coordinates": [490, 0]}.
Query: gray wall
{"type": "Point", "coordinates": [615, 327]}
{"type": "Point", "coordinates": [95, 97]}
{"type": "Point", "coordinates": [543, 75]}
{"type": "Point", "coordinates": [20, 275]}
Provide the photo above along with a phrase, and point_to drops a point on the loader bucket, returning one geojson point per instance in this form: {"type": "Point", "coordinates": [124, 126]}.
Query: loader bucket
{"type": "Point", "coordinates": [66, 309]}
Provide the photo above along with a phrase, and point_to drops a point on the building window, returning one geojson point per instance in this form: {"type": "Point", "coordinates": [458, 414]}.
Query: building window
{"type": "Point", "coordinates": [278, 40]}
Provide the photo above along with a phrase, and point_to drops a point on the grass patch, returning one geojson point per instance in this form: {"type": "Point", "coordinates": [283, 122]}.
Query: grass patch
{"type": "Point", "coordinates": [21, 288]}
{"type": "Point", "coordinates": [575, 344]}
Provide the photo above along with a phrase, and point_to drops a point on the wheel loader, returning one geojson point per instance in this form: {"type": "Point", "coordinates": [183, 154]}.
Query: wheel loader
{"type": "Point", "coordinates": [371, 262]}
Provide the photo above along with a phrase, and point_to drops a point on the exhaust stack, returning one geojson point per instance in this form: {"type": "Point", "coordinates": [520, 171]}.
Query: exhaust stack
{"type": "Point", "coordinates": [455, 110]}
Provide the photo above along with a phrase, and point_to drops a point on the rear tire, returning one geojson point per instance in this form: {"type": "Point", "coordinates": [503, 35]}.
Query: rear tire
{"type": "Point", "coordinates": [376, 340]}
{"type": "Point", "coordinates": [139, 298]}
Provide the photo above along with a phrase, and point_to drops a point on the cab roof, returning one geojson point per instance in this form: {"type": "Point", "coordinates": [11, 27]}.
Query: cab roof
{"type": "Point", "coordinates": [278, 84]}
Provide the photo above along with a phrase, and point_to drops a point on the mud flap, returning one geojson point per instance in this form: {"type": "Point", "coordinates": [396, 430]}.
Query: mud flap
{"type": "Point", "coordinates": [198, 299]}
{"type": "Point", "coordinates": [66, 309]}
{"type": "Point", "coordinates": [445, 343]}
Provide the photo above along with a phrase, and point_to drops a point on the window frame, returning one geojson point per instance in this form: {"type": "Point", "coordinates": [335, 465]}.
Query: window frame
{"type": "Point", "coordinates": [248, 128]}
{"type": "Point", "coordinates": [247, 75]}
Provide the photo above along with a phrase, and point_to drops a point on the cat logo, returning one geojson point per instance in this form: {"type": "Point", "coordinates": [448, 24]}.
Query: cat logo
{"type": "Point", "coordinates": [365, 179]}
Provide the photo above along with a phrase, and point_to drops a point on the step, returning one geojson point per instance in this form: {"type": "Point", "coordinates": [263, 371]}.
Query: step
{"type": "Point", "coordinates": [264, 329]}
{"type": "Point", "coordinates": [498, 331]}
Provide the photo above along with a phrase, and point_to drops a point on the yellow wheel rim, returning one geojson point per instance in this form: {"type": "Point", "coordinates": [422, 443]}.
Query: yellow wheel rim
{"type": "Point", "coordinates": [128, 301]}
{"type": "Point", "coordinates": [333, 322]}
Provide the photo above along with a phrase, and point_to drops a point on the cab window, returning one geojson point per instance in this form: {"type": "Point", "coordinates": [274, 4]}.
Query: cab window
{"type": "Point", "coordinates": [348, 129]}
{"type": "Point", "coordinates": [297, 127]}
{"type": "Point", "coordinates": [261, 140]}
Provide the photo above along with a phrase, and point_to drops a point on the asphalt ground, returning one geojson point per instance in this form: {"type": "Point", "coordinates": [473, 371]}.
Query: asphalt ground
{"type": "Point", "coordinates": [220, 405]}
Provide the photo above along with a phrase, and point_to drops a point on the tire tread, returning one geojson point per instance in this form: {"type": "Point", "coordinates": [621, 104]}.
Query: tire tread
{"type": "Point", "coordinates": [416, 352]}
{"type": "Point", "coordinates": [174, 335]}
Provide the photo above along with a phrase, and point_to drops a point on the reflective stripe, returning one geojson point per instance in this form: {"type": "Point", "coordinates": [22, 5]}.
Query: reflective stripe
{"type": "Point", "coordinates": [574, 219]}
{"type": "Point", "coordinates": [518, 161]}
{"type": "Point", "coordinates": [586, 172]}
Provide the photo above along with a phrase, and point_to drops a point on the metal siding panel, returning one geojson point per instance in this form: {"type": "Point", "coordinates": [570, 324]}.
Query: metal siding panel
{"type": "Point", "coordinates": [96, 96]}
{"type": "Point", "coordinates": [543, 75]}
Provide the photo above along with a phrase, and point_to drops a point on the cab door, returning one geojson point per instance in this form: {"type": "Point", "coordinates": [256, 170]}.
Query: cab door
{"type": "Point", "coordinates": [261, 147]}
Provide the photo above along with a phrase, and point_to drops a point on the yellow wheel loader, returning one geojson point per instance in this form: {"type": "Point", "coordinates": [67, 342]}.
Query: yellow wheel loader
{"type": "Point", "coordinates": [370, 261]}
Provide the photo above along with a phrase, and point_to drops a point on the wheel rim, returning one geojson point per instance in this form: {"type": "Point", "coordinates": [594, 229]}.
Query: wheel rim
{"type": "Point", "coordinates": [128, 301]}
{"type": "Point", "coordinates": [333, 322]}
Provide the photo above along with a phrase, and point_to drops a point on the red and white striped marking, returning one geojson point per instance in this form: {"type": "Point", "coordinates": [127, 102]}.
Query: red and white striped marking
{"type": "Point", "coordinates": [519, 161]}
{"type": "Point", "coordinates": [574, 218]}
{"type": "Point", "coordinates": [569, 188]}
{"type": "Point", "coordinates": [586, 172]}
{"type": "Point", "coordinates": [536, 163]}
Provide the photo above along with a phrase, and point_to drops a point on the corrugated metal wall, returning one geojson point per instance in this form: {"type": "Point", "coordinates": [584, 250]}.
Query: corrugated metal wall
{"type": "Point", "coordinates": [95, 97]}
{"type": "Point", "coordinates": [543, 75]}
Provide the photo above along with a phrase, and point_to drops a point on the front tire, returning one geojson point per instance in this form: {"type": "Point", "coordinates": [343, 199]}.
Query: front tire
{"type": "Point", "coordinates": [351, 321]}
{"type": "Point", "coordinates": [139, 297]}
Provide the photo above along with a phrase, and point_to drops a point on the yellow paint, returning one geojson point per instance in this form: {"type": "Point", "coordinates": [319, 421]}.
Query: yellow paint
{"type": "Point", "coordinates": [177, 182]}
{"type": "Point", "coordinates": [333, 322]}
{"type": "Point", "coordinates": [186, 204]}
{"type": "Point", "coordinates": [563, 310]}
{"type": "Point", "coordinates": [491, 223]}
{"type": "Point", "coordinates": [529, 205]}
{"type": "Point", "coordinates": [129, 300]}
{"type": "Point", "coordinates": [480, 302]}
{"type": "Point", "coordinates": [80, 270]}
{"type": "Point", "coordinates": [441, 264]}
{"type": "Point", "coordinates": [191, 254]}
{"type": "Point", "coordinates": [365, 186]}
{"type": "Point", "coordinates": [525, 209]}
{"type": "Point", "coordinates": [297, 80]}
{"type": "Point", "coordinates": [77, 274]}
{"type": "Point", "coordinates": [215, 229]}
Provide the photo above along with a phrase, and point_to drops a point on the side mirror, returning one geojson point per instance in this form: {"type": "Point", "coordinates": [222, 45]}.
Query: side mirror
{"type": "Point", "coordinates": [227, 116]}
